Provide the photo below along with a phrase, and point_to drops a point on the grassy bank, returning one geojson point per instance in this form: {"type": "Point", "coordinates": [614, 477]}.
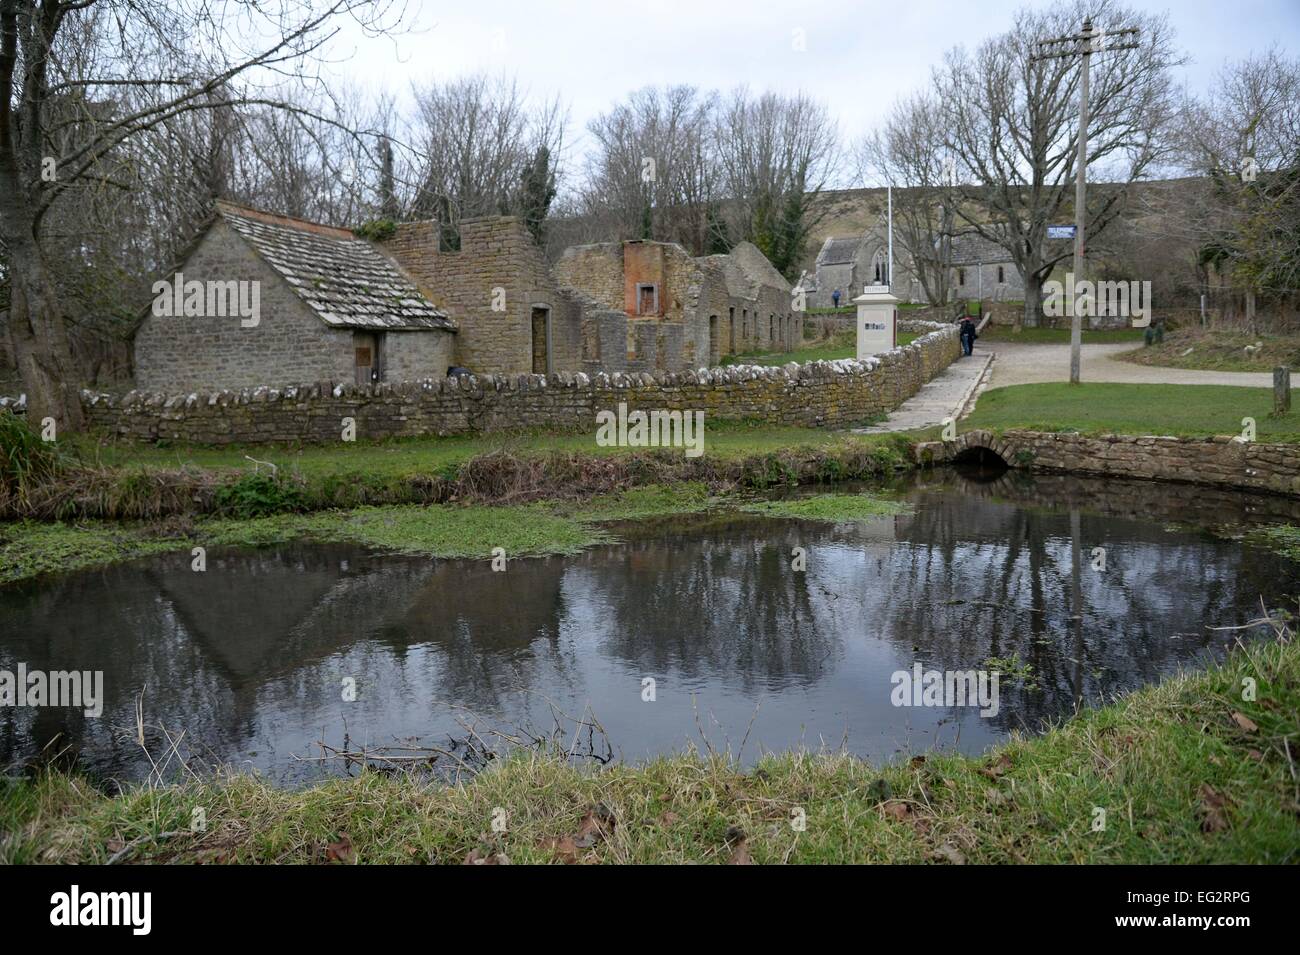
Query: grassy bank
{"type": "Point", "coordinates": [1219, 350]}
{"type": "Point", "coordinates": [562, 525]}
{"type": "Point", "coordinates": [1186, 772]}
{"type": "Point", "coordinates": [1103, 407]}
{"type": "Point", "coordinates": [132, 482]}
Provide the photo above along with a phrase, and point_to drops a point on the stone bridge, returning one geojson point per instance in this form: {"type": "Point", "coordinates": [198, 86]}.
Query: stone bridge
{"type": "Point", "coordinates": [1219, 461]}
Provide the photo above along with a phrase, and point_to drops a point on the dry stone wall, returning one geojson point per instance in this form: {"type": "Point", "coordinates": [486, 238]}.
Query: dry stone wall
{"type": "Point", "coordinates": [1220, 461]}
{"type": "Point", "coordinates": [815, 394]}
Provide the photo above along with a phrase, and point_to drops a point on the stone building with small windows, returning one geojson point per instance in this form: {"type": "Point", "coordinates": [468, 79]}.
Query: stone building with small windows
{"type": "Point", "coordinates": [331, 307]}
{"type": "Point", "coordinates": [979, 269]}
{"type": "Point", "coordinates": [340, 308]}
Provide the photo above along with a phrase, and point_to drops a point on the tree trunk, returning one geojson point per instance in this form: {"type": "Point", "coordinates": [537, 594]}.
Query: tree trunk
{"type": "Point", "coordinates": [1033, 300]}
{"type": "Point", "coordinates": [41, 346]}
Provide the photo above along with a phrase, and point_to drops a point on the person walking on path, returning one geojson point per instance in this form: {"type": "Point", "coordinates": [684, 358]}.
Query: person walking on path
{"type": "Point", "coordinates": [967, 335]}
{"type": "Point", "coordinates": [835, 297]}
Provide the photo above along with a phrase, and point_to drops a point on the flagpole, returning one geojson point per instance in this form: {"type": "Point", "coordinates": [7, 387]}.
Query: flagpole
{"type": "Point", "coordinates": [889, 267]}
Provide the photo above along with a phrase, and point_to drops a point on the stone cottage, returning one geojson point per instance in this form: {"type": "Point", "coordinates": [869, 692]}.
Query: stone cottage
{"type": "Point", "coordinates": [335, 307]}
{"type": "Point", "coordinates": [328, 307]}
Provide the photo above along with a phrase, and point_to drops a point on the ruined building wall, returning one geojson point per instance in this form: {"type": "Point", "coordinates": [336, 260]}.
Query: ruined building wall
{"type": "Point", "coordinates": [496, 252]}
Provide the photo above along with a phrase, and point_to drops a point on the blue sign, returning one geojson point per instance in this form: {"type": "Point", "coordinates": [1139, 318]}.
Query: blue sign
{"type": "Point", "coordinates": [1060, 232]}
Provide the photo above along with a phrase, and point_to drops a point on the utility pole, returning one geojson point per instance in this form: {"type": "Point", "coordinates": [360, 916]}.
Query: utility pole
{"type": "Point", "coordinates": [1083, 45]}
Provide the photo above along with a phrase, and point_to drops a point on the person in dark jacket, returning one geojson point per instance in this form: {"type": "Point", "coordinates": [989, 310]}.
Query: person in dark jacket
{"type": "Point", "coordinates": [967, 335]}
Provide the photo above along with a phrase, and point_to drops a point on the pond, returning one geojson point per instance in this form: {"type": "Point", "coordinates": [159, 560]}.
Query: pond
{"type": "Point", "coordinates": [251, 663]}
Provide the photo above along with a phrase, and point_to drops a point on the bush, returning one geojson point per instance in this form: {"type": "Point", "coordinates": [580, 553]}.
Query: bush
{"type": "Point", "coordinates": [259, 495]}
{"type": "Point", "coordinates": [377, 230]}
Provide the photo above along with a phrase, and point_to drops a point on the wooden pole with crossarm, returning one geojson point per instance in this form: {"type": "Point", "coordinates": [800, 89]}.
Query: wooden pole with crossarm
{"type": "Point", "coordinates": [1083, 45]}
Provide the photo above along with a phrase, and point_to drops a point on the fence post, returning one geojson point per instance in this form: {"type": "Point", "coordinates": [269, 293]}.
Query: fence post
{"type": "Point", "coordinates": [1281, 389]}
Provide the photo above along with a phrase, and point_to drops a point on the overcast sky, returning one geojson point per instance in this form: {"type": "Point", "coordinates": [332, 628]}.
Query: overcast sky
{"type": "Point", "coordinates": [859, 55]}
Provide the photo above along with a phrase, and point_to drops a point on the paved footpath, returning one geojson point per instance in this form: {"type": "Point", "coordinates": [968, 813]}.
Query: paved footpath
{"type": "Point", "coordinates": [945, 395]}
{"type": "Point", "coordinates": [952, 393]}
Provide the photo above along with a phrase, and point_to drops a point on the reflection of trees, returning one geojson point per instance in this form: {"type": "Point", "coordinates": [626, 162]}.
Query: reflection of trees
{"type": "Point", "coordinates": [724, 603]}
{"type": "Point", "coordinates": [1012, 566]}
{"type": "Point", "coordinates": [252, 650]}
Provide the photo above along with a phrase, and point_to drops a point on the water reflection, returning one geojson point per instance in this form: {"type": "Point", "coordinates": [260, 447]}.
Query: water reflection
{"type": "Point", "coordinates": [249, 658]}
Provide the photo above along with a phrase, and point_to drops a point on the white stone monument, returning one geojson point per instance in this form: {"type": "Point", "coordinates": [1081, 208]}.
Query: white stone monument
{"type": "Point", "coordinates": [877, 320]}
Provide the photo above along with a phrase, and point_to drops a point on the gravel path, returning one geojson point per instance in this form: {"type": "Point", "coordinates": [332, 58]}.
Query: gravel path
{"type": "Point", "coordinates": [1021, 364]}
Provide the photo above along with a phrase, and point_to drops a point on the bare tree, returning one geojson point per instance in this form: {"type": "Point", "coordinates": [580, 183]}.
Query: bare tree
{"type": "Point", "coordinates": [475, 140]}
{"type": "Point", "coordinates": [150, 62]}
{"type": "Point", "coordinates": [1012, 121]}
{"type": "Point", "coordinates": [908, 153]}
{"type": "Point", "coordinates": [1245, 139]}
{"type": "Point", "coordinates": [775, 154]}
{"type": "Point", "coordinates": [650, 173]}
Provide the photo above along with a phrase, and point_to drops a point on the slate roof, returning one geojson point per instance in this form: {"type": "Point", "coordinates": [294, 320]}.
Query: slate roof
{"type": "Point", "coordinates": [345, 280]}
{"type": "Point", "coordinates": [977, 250]}
{"type": "Point", "coordinates": [839, 251]}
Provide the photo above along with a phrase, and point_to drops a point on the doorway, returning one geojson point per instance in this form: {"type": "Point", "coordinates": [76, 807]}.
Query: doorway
{"type": "Point", "coordinates": [541, 340]}
{"type": "Point", "coordinates": [365, 350]}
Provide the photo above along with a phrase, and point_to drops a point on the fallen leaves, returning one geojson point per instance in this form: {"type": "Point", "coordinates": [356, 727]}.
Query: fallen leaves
{"type": "Point", "coordinates": [341, 851]}
{"type": "Point", "coordinates": [1245, 722]}
{"type": "Point", "coordinates": [950, 854]}
{"type": "Point", "coordinates": [565, 848]}
{"type": "Point", "coordinates": [1213, 809]}
{"type": "Point", "coordinates": [896, 810]}
{"type": "Point", "coordinates": [596, 826]}
{"type": "Point", "coordinates": [484, 858]}
{"type": "Point", "coordinates": [997, 768]}
{"type": "Point", "coordinates": [739, 842]}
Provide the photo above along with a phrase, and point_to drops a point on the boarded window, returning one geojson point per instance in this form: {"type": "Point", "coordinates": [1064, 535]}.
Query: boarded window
{"type": "Point", "coordinates": [647, 299]}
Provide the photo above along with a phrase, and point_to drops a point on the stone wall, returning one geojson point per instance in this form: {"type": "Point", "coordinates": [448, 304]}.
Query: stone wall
{"type": "Point", "coordinates": [495, 252]}
{"type": "Point", "coordinates": [816, 394]}
{"type": "Point", "coordinates": [289, 342]}
{"type": "Point", "coordinates": [1219, 461]}
{"type": "Point", "coordinates": [708, 307]}
{"type": "Point", "coordinates": [411, 355]}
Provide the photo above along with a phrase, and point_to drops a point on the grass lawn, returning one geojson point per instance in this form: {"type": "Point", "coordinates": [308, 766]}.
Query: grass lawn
{"type": "Point", "coordinates": [1061, 336]}
{"type": "Point", "coordinates": [1219, 350]}
{"type": "Point", "coordinates": [1102, 407]}
{"type": "Point", "coordinates": [842, 345]}
{"type": "Point", "coordinates": [1184, 772]}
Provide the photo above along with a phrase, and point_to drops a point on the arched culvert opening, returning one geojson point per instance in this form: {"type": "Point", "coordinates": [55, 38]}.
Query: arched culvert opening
{"type": "Point", "coordinates": [979, 463]}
